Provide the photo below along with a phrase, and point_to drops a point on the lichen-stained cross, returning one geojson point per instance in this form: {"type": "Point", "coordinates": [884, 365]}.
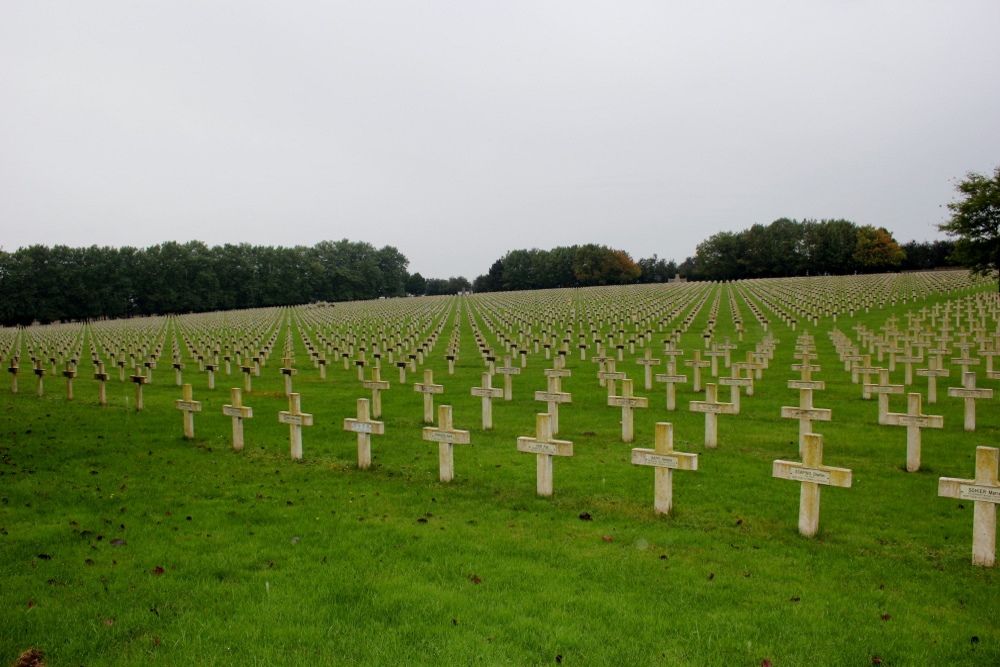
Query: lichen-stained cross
{"type": "Point", "coordinates": [238, 412]}
{"type": "Point", "coordinates": [665, 459]}
{"type": "Point", "coordinates": [364, 427]}
{"type": "Point", "coordinates": [447, 436]}
{"type": "Point", "coordinates": [545, 447]}
{"type": "Point", "coordinates": [811, 473]}
{"type": "Point", "coordinates": [295, 419]}
{"type": "Point", "coordinates": [984, 490]}
{"type": "Point", "coordinates": [628, 403]}
{"type": "Point", "coordinates": [189, 406]}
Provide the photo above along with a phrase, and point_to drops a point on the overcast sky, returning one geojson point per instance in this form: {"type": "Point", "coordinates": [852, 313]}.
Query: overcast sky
{"type": "Point", "coordinates": [456, 131]}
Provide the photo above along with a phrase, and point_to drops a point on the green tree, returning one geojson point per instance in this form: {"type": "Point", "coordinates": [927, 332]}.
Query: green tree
{"type": "Point", "coordinates": [975, 223]}
{"type": "Point", "coordinates": [877, 250]}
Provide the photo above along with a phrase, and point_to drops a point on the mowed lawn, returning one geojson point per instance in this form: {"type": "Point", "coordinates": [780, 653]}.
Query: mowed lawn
{"type": "Point", "coordinates": [123, 543]}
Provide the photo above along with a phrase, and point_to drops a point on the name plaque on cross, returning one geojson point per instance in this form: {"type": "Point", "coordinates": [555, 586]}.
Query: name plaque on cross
{"type": "Point", "coordinates": [233, 411]}
{"type": "Point", "coordinates": [989, 494]}
{"type": "Point", "coordinates": [816, 385]}
{"type": "Point", "coordinates": [360, 427]}
{"type": "Point", "coordinates": [641, 458]}
{"type": "Point", "coordinates": [454, 437]}
{"type": "Point", "coordinates": [552, 449]}
{"type": "Point", "coordinates": [295, 420]}
{"type": "Point", "coordinates": [622, 402]}
{"type": "Point", "coordinates": [809, 475]}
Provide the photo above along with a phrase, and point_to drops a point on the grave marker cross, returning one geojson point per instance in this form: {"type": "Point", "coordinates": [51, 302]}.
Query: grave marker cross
{"type": "Point", "coordinates": [984, 491]}
{"type": "Point", "coordinates": [295, 419]}
{"type": "Point", "coordinates": [913, 420]}
{"type": "Point", "coordinates": [545, 447]}
{"type": "Point", "coordinates": [665, 459]}
{"type": "Point", "coordinates": [238, 412]}
{"type": "Point", "coordinates": [364, 427]}
{"type": "Point", "coordinates": [811, 473]}
{"type": "Point", "coordinates": [447, 436]}
{"type": "Point", "coordinates": [189, 406]}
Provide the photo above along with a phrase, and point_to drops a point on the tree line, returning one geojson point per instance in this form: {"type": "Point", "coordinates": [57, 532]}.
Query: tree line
{"type": "Point", "coordinates": [825, 247]}
{"type": "Point", "coordinates": [781, 249]}
{"type": "Point", "coordinates": [62, 283]}
{"type": "Point", "coordinates": [44, 284]}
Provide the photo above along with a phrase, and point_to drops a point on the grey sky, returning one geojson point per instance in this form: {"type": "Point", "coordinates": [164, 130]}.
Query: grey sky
{"type": "Point", "coordinates": [456, 131]}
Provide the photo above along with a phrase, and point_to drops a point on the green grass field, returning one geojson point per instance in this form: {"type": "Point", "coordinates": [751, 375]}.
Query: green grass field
{"type": "Point", "coordinates": [124, 543]}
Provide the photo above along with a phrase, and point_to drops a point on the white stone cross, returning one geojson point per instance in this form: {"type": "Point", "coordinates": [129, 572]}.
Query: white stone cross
{"type": "Point", "coordinates": [970, 393]}
{"type": "Point", "coordinates": [14, 370]}
{"type": "Point", "coordinates": [364, 427]}
{"type": "Point", "coordinates": [712, 409]}
{"type": "Point", "coordinates": [805, 412]}
{"type": "Point", "coordinates": [487, 392]}
{"type": "Point", "coordinates": [247, 378]}
{"type": "Point", "coordinates": [984, 491]}
{"type": "Point", "coordinates": [69, 374]}
{"type": "Point", "coordinates": [697, 364]}
{"type": "Point", "coordinates": [139, 379]}
{"type": "Point", "coordinates": [288, 372]}
{"type": "Point", "coordinates": [545, 447]}
{"type": "Point", "coordinates": [609, 375]}
{"type": "Point", "coordinates": [295, 419]}
{"type": "Point", "coordinates": [647, 362]}
{"type": "Point", "coordinates": [734, 382]}
{"type": "Point", "coordinates": [428, 389]}
{"type": "Point", "coordinates": [665, 459]}
{"type": "Point", "coordinates": [238, 412]}
{"type": "Point", "coordinates": [377, 386]}
{"type": "Point", "coordinates": [210, 369]}
{"type": "Point", "coordinates": [628, 403]}
{"type": "Point", "coordinates": [553, 397]}
{"type": "Point", "coordinates": [811, 473]}
{"type": "Point", "coordinates": [913, 420]}
{"type": "Point", "coordinates": [883, 389]}
{"type": "Point", "coordinates": [189, 406]}
{"type": "Point", "coordinates": [39, 370]}
{"type": "Point", "coordinates": [102, 379]}
{"type": "Point", "coordinates": [447, 436]}
{"type": "Point", "coordinates": [932, 373]}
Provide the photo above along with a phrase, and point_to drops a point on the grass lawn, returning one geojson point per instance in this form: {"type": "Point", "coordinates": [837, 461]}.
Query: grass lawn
{"type": "Point", "coordinates": [123, 543]}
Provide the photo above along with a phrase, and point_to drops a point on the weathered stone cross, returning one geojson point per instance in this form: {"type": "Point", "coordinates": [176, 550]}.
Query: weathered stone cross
{"type": "Point", "coordinates": [545, 447]}
{"type": "Point", "coordinates": [189, 406]}
{"type": "Point", "coordinates": [932, 373]}
{"type": "Point", "coordinates": [883, 389]}
{"type": "Point", "coordinates": [647, 362]}
{"type": "Point", "coordinates": [805, 412]}
{"type": "Point", "coordinates": [487, 392]}
{"type": "Point", "coordinates": [238, 412]}
{"type": "Point", "coordinates": [665, 459]}
{"type": "Point", "coordinates": [139, 379]}
{"type": "Point", "coordinates": [364, 427]}
{"type": "Point", "coordinates": [984, 490]}
{"type": "Point", "coordinates": [697, 364]}
{"type": "Point", "coordinates": [428, 389]}
{"type": "Point", "coordinates": [628, 403]}
{"type": "Point", "coordinates": [102, 379]}
{"type": "Point", "coordinates": [377, 386]}
{"type": "Point", "coordinates": [913, 420]}
{"type": "Point", "coordinates": [554, 396]}
{"type": "Point", "coordinates": [295, 419]}
{"type": "Point", "coordinates": [712, 409]}
{"type": "Point", "coordinates": [447, 436]}
{"type": "Point", "coordinates": [811, 473]}
{"type": "Point", "coordinates": [970, 393]}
